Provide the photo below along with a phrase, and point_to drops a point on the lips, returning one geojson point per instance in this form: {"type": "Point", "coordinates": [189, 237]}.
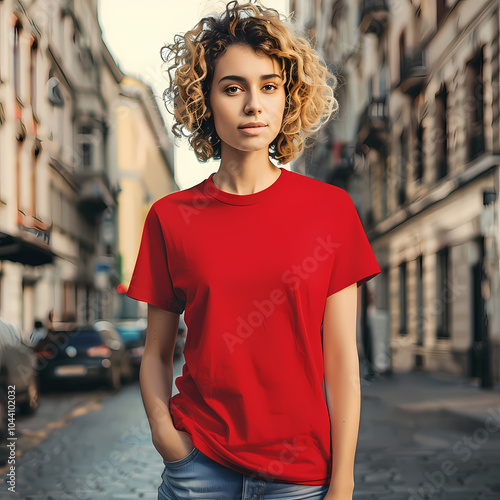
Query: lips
{"type": "Point", "coordinates": [253, 125]}
{"type": "Point", "coordinates": [253, 128]}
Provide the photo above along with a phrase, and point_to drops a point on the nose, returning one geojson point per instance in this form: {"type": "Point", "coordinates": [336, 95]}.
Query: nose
{"type": "Point", "coordinates": [253, 105]}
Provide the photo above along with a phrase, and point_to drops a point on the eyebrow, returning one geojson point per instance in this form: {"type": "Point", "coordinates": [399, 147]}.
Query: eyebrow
{"type": "Point", "coordinates": [244, 80]}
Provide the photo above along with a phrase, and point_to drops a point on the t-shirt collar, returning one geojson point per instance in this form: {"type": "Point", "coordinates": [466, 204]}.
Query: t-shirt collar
{"type": "Point", "coordinates": [212, 190]}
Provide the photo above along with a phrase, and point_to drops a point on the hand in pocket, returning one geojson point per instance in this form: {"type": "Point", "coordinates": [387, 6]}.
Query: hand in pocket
{"type": "Point", "coordinates": [178, 446]}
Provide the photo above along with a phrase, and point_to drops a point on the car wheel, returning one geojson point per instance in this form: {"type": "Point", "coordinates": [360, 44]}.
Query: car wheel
{"type": "Point", "coordinates": [31, 404]}
{"type": "Point", "coordinates": [114, 378]}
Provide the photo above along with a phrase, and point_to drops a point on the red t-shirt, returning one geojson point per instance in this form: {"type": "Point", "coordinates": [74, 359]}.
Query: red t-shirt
{"type": "Point", "coordinates": [252, 273]}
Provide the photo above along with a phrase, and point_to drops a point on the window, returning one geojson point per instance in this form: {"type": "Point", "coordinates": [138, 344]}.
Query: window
{"type": "Point", "coordinates": [383, 186]}
{"type": "Point", "coordinates": [442, 294]}
{"type": "Point", "coordinates": [33, 57]}
{"type": "Point", "coordinates": [33, 184]}
{"type": "Point", "coordinates": [420, 301]}
{"type": "Point", "coordinates": [402, 49]}
{"type": "Point", "coordinates": [418, 111]}
{"type": "Point", "coordinates": [419, 153]}
{"type": "Point", "coordinates": [402, 167]}
{"type": "Point", "coordinates": [21, 203]}
{"type": "Point", "coordinates": [16, 58]}
{"type": "Point", "coordinates": [475, 105]}
{"type": "Point", "coordinates": [403, 306]}
{"type": "Point", "coordinates": [441, 132]}
{"type": "Point", "coordinates": [87, 147]}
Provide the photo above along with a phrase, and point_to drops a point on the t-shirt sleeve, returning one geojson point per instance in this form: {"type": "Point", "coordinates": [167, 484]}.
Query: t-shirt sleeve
{"type": "Point", "coordinates": [151, 280]}
{"type": "Point", "coordinates": [354, 260]}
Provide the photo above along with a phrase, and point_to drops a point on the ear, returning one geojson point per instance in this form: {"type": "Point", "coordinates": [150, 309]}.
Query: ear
{"type": "Point", "coordinates": [208, 114]}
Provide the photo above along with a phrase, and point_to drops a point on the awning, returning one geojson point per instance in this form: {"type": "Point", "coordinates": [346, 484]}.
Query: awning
{"type": "Point", "coordinates": [25, 249]}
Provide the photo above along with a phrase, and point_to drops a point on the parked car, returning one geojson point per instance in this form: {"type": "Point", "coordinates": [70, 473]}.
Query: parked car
{"type": "Point", "coordinates": [133, 334]}
{"type": "Point", "coordinates": [18, 367]}
{"type": "Point", "coordinates": [86, 353]}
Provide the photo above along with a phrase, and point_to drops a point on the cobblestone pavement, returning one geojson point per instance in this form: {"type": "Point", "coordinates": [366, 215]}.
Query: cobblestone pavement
{"type": "Point", "coordinates": [424, 436]}
{"type": "Point", "coordinates": [417, 440]}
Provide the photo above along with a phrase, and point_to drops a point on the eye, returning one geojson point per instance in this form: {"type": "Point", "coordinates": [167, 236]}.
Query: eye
{"type": "Point", "coordinates": [270, 87]}
{"type": "Point", "coordinates": [232, 90]}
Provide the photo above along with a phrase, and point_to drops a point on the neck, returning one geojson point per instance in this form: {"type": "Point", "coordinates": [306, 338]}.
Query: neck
{"type": "Point", "coordinates": [243, 172]}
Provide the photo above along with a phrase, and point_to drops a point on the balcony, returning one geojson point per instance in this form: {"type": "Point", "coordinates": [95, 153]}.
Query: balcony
{"type": "Point", "coordinates": [95, 194]}
{"type": "Point", "coordinates": [374, 123]}
{"type": "Point", "coordinates": [30, 245]}
{"type": "Point", "coordinates": [374, 16]}
{"type": "Point", "coordinates": [413, 72]}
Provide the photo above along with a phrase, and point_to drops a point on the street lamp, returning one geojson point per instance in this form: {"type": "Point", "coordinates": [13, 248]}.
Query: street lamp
{"type": "Point", "coordinates": [488, 227]}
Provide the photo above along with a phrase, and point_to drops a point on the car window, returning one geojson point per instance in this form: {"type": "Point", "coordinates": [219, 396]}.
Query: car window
{"type": "Point", "coordinates": [84, 338]}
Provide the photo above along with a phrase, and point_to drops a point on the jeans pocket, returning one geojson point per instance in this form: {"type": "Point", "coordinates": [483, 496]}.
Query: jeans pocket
{"type": "Point", "coordinates": [183, 461]}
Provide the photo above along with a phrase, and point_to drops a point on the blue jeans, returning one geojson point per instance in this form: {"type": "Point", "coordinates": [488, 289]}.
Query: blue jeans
{"type": "Point", "coordinates": [198, 477]}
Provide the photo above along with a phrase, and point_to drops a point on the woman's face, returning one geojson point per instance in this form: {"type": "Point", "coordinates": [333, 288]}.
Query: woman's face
{"type": "Point", "coordinates": [247, 90]}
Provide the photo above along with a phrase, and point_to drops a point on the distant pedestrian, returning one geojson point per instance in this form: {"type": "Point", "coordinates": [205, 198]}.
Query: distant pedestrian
{"type": "Point", "coordinates": [39, 332]}
{"type": "Point", "coordinates": [50, 325]}
{"type": "Point", "coordinates": [265, 262]}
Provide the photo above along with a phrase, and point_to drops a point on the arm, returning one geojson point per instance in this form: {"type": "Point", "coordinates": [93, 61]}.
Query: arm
{"type": "Point", "coordinates": [342, 386]}
{"type": "Point", "coordinates": [156, 378]}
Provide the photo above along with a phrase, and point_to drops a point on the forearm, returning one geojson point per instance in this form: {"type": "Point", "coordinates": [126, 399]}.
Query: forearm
{"type": "Point", "coordinates": [155, 379]}
{"type": "Point", "coordinates": [343, 391]}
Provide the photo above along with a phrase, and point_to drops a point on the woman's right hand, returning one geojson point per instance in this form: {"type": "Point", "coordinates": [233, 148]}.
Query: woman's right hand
{"type": "Point", "coordinates": [175, 446]}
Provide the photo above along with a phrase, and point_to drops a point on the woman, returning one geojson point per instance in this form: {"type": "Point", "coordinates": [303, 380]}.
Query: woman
{"type": "Point", "coordinates": [265, 262]}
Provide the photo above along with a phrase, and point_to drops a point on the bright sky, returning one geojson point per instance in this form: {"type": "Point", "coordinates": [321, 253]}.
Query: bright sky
{"type": "Point", "coordinates": [135, 32]}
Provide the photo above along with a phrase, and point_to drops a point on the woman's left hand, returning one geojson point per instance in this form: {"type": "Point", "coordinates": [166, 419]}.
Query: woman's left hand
{"type": "Point", "coordinates": [334, 495]}
{"type": "Point", "coordinates": [337, 496]}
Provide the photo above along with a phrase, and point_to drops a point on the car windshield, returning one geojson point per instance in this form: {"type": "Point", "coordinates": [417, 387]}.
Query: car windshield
{"type": "Point", "coordinates": [83, 338]}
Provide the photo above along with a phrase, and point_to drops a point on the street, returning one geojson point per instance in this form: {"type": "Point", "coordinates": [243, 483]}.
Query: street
{"type": "Point", "coordinates": [94, 444]}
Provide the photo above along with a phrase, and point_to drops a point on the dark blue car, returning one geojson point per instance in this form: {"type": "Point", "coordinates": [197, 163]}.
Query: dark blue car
{"type": "Point", "coordinates": [83, 353]}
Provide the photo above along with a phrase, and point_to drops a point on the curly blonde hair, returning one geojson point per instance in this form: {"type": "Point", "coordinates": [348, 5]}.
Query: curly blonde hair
{"type": "Point", "coordinates": [309, 85]}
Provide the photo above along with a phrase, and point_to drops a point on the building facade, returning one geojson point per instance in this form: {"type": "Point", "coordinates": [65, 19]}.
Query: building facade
{"type": "Point", "coordinates": [425, 149]}
{"type": "Point", "coordinates": [60, 96]}
{"type": "Point", "coordinates": [145, 163]}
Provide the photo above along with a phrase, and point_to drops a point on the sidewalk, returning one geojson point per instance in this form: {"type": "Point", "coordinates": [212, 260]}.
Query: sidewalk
{"type": "Point", "coordinates": [427, 436]}
{"type": "Point", "coordinates": [429, 392]}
